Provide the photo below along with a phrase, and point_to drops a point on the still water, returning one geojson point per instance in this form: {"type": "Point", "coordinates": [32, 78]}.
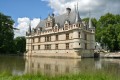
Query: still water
{"type": "Point", "coordinates": [55, 66]}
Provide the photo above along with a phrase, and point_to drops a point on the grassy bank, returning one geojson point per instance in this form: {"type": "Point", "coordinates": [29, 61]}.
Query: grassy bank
{"type": "Point", "coordinates": [80, 76]}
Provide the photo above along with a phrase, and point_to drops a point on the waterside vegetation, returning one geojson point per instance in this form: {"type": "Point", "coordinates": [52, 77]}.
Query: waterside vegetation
{"type": "Point", "coordinates": [80, 76]}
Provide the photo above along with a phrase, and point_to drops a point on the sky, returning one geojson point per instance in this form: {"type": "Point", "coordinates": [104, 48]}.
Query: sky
{"type": "Point", "coordinates": [25, 12]}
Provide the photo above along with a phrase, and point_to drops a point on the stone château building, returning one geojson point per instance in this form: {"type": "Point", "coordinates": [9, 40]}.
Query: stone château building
{"type": "Point", "coordinates": [65, 35]}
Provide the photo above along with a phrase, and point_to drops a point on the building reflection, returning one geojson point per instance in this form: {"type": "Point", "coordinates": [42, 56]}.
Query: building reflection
{"type": "Point", "coordinates": [51, 66]}
{"type": "Point", "coordinates": [55, 66]}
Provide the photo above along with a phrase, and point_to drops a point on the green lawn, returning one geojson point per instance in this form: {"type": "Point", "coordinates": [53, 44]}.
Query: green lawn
{"type": "Point", "coordinates": [80, 76]}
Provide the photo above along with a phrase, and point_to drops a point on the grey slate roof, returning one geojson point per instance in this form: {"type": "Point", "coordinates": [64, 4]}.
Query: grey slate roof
{"type": "Point", "coordinates": [61, 19]}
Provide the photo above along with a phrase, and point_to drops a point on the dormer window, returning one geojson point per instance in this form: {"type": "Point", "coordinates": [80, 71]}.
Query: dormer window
{"type": "Point", "coordinates": [79, 25]}
{"type": "Point", "coordinates": [66, 25]}
{"type": "Point", "coordinates": [48, 24]}
{"type": "Point", "coordinates": [56, 27]}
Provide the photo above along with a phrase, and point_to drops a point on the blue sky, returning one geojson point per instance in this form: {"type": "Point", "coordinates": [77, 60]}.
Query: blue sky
{"type": "Point", "coordinates": [25, 11]}
{"type": "Point", "coordinates": [38, 8]}
{"type": "Point", "coordinates": [25, 8]}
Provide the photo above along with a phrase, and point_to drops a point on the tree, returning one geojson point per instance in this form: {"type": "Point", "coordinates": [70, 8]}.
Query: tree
{"type": "Point", "coordinates": [20, 44]}
{"type": "Point", "coordinates": [108, 31]}
{"type": "Point", "coordinates": [94, 21]}
{"type": "Point", "coordinates": [6, 34]}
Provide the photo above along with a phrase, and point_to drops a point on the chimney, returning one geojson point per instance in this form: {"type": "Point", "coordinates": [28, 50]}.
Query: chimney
{"type": "Point", "coordinates": [53, 14]}
{"type": "Point", "coordinates": [68, 10]}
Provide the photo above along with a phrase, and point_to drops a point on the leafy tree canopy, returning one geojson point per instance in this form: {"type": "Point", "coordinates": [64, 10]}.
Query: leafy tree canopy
{"type": "Point", "coordinates": [6, 34]}
{"type": "Point", "coordinates": [108, 31]}
{"type": "Point", "coordinates": [20, 44]}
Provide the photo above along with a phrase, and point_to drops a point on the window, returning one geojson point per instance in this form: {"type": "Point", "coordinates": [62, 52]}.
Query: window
{"type": "Point", "coordinates": [38, 39]}
{"type": "Point", "coordinates": [56, 37]}
{"type": "Point", "coordinates": [85, 36]}
{"type": "Point", "coordinates": [47, 38]}
{"type": "Point", "coordinates": [66, 26]}
{"type": "Point", "coordinates": [33, 40]}
{"type": "Point", "coordinates": [67, 45]}
{"type": "Point", "coordinates": [79, 35]}
{"type": "Point", "coordinates": [32, 47]}
{"type": "Point", "coordinates": [56, 68]}
{"type": "Point", "coordinates": [79, 25]}
{"type": "Point", "coordinates": [56, 46]}
{"type": "Point", "coordinates": [48, 24]}
{"type": "Point", "coordinates": [48, 46]}
{"type": "Point", "coordinates": [67, 69]}
{"type": "Point", "coordinates": [47, 66]}
{"type": "Point", "coordinates": [56, 29]}
{"type": "Point", "coordinates": [38, 47]}
{"type": "Point", "coordinates": [85, 45]}
{"type": "Point", "coordinates": [38, 65]}
{"type": "Point", "coordinates": [67, 36]}
{"type": "Point", "coordinates": [32, 65]}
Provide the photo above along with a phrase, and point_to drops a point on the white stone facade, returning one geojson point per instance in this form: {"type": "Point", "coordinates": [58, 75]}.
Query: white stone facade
{"type": "Point", "coordinates": [71, 40]}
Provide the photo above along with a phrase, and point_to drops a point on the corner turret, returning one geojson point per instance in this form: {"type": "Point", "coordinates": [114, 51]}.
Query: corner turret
{"type": "Point", "coordinates": [91, 28]}
{"type": "Point", "coordinates": [29, 30]}
{"type": "Point", "coordinates": [77, 19]}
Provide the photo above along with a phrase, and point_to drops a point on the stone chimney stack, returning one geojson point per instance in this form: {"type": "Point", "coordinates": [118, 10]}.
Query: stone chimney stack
{"type": "Point", "coordinates": [53, 14]}
{"type": "Point", "coordinates": [68, 10]}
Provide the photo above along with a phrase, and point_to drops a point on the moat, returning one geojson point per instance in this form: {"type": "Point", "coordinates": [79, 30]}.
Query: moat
{"type": "Point", "coordinates": [55, 66]}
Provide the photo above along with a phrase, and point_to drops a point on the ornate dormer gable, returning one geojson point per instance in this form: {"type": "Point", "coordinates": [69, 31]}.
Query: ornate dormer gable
{"type": "Point", "coordinates": [34, 30]}
{"type": "Point", "coordinates": [39, 29]}
{"type": "Point", "coordinates": [66, 24]}
{"type": "Point", "coordinates": [50, 22]}
{"type": "Point", "coordinates": [56, 27]}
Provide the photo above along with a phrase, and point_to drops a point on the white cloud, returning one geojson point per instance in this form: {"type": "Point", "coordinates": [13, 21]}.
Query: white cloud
{"type": "Point", "coordinates": [59, 6]}
{"type": "Point", "coordinates": [35, 22]}
{"type": "Point", "coordinates": [23, 24]}
{"type": "Point", "coordinates": [97, 7]}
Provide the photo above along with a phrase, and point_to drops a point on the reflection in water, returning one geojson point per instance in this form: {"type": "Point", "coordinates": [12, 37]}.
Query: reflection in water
{"type": "Point", "coordinates": [112, 66]}
{"type": "Point", "coordinates": [51, 66]}
{"type": "Point", "coordinates": [54, 66]}
{"type": "Point", "coordinates": [12, 64]}
{"type": "Point", "coordinates": [98, 64]}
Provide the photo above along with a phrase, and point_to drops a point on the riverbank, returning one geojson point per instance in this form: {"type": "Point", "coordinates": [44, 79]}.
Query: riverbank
{"type": "Point", "coordinates": [12, 54]}
{"type": "Point", "coordinates": [110, 55]}
{"type": "Point", "coordinates": [80, 76]}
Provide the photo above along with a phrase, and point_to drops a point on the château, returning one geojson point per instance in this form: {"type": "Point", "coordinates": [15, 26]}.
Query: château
{"type": "Point", "coordinates": [64, 35]}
